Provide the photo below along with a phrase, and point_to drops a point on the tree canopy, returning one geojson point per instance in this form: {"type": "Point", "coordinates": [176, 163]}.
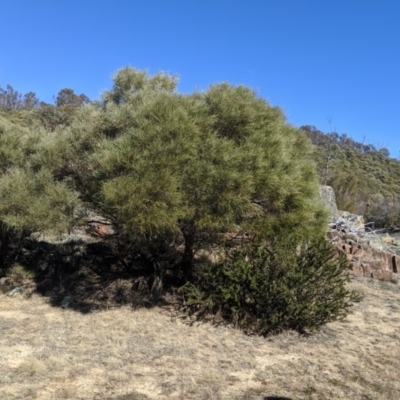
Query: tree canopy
{"type": "Point", "coordinates": [193, 166]}
{"type": "Point", "coordinates": [181, 170]}
{"type": "Point", "coordinates": [180, 176]}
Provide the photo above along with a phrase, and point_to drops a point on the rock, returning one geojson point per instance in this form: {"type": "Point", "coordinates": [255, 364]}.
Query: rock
{"type": "Point", "coordinates": [368, 254]}
{"type": "Point", "coordinates": [328, 197]}
{"type": "Point", "coordinates": [15, 292]}
{"type": "Point", "coordinates": [5, 281]}
{"type": "Point", "coordinates": [100, 229]}
{"type": "Point", "coordinates": [382, 274]}
{"type": "Point", "coordinates": [65, 302]}
{"type": "Point", "coordinates": [348, 223]}
{"type": "Point", "coordinates": [366, 260]}
{"type": "Point", "coordinates": [358, 270]}
{"type": "Point", "coordinates": [366, 268]}
{"type": "Point", "coordinates": [43, 265]}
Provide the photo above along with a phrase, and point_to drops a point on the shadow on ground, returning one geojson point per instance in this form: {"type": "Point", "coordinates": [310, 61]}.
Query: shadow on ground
{"type": "Point", "coordinates": [276, 398]}
{"type": "Point", "coordinates": [86, 277]}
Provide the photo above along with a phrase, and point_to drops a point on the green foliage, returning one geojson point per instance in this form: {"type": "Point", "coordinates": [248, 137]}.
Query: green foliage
{"type": "Point", "coordinates": [267, 286]}
{"type": "Point", "coordinates": [130, 84]}
{"type": "Point", "coordinates": [31, 199]}
{"type": "Point", "coordinates": [67, 105]}
{"type": "Point", "coordinates": [34, 201]}
{"type": "Point", "coordinates": [51, 117]}
{"type": "Point", "coordinates": [193, 166]}
{"type": "Point", "coordinates": [67, 97]}
{"type": "Point", "coordinates": [21, 118]}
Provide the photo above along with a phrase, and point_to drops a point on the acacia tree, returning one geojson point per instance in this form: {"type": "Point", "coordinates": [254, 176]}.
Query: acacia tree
{"type": "Point", "coordinates": [186, 168]}
{"type": "Point", "coordinates": [177, 172]}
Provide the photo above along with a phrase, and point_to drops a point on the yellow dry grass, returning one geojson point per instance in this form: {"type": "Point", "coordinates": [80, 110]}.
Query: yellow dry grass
{"type": "Point", "coordinates": [51, 353]}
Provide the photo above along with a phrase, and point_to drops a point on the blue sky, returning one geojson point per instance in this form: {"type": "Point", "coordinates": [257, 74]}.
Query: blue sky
{"type": "Point", "coordinates": [319, 60]}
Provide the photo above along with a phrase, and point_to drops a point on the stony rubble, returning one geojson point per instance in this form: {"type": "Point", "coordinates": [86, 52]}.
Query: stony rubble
{"type": "Point", "coordinates": [370, 254]}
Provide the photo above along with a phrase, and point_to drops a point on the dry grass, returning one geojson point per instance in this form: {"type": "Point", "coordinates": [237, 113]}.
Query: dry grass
{"type": "Point", "coordinates": [51, 353]}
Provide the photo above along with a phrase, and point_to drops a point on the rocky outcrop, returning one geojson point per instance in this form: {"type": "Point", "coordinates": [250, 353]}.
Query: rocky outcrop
{"type": "Point", "coordinates": [370, 254]}
{"type": "Point", "coordinates": [366, 260]}
{"type": "Point", "coordinates": [348, 223]}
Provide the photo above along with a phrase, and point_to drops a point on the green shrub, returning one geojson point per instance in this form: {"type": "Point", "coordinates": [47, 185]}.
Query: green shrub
{"type": "Point", "coordinates": [267, 287]}
{"type": "Point", "coordinates": [51, 117]}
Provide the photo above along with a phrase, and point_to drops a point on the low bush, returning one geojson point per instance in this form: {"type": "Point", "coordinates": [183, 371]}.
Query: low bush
{"type": "Point", "coordinates": [269, 286]}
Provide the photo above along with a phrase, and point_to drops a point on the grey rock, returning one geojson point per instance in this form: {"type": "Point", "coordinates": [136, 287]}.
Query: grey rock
{"type": "Point", "coordinates": [5, 281]}
{"type": "Point", "coordinates": [43, 265]}
{"type": "Point", "coordinates": [15, 292]}
{"type": "Point", "coordinates": [346, 222]}
{"type": "Point", "coordinates": [5, 288]}
{"type": "Point", "coordinates": [65, 302]}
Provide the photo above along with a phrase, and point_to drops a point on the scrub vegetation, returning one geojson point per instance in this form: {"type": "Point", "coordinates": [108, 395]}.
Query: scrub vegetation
{"type": "Point", "coordinates": [212, 197]}
{"type": "Point", "coordinates": [364, 176]}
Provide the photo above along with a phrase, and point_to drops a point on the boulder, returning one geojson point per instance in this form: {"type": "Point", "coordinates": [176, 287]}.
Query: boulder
{"type": "Point", "coordinates": [348, 223]}
{"type": "Point", "coordinates": [65, 302]}
{"type": "Point", "coordinates": [366, 260]}
{"type": "Point", "coordinates": [15, 292]}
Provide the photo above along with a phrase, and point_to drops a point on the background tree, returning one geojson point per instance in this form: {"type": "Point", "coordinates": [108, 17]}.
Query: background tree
{"type": "Point", "coordinates": [67, 104]}
{"type": "Point", "coordinates": [30, 101]}
{"type": "Point", "coordinates": [67, 97]}
{"type": "Point", "coordinates": [10, 99]}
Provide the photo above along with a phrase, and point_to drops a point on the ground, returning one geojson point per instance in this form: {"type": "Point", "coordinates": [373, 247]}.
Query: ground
{"type": "Point", "coordinates": [47, 352]}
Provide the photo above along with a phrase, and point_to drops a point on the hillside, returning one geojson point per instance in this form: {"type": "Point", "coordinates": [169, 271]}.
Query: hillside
{"type": "Point", "coordinates": [366, 179]}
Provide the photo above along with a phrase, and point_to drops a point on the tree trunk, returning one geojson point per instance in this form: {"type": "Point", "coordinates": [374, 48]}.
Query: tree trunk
{"type": "Point", "coordinates": [189, 233]}
{"type": "Point", "coordinates": [4, 245]}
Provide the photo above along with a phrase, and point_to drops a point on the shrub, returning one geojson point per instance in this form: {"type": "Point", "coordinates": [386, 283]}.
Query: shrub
{"type": "Point", "coordinates": [267, 287]}
{"type": "Point", "coordinates": [51, 117]}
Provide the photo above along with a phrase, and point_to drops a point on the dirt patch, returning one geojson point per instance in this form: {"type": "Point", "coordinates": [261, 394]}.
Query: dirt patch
{"type": "Point", "coordinates": [123, 353]}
